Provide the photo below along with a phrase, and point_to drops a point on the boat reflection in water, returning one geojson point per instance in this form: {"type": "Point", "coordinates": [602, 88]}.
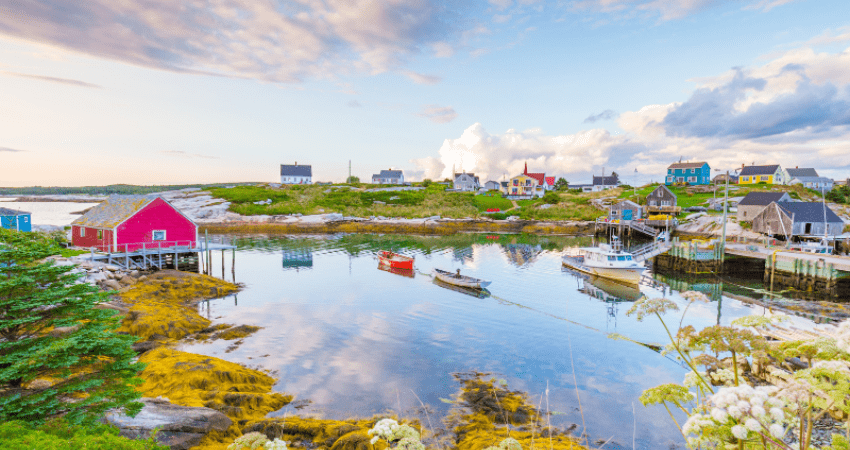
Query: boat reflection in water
{"type": "Point", "coordinates": [605, 289]}
{"type": "Point", "coordinates": [297, 258]}
{"type": "Point", "coordinates": [479, 293]}
{"type": "Point", "coordinates": [409, 273]}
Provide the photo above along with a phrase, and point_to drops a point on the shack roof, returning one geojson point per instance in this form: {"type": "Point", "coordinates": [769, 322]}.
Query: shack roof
{"type": "Point", "coordinates": [797, 172]}
{"type": "Point", "coordinates": [759, 170]}
{"type": "Point", "coordinates": [388, 174]}
{"type": "Point", "coordinates": [803, 179]}
{"type": "Point", "coordinates": [114, 210]}
{"type": "Point", "coordinates": [605, 181]}
{"type": "Point", "coordinates": [12, 212]}
{"type": "Point", "coordinates": [687, 165]}
{"type": "Point", "coordinates": [761, 198]}
{"type": "Point", "coordinates": [294, 170]}
{"type": "Point", "coordinates": [659, 192]}
{"type": "Point", "coordinates": [809, 212]}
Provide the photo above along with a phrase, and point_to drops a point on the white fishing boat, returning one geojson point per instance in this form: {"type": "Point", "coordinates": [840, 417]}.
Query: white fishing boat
{"type": "Point", "coordinates": [606, 261]}
{"type": "Point", "coordinates": [460, 280]}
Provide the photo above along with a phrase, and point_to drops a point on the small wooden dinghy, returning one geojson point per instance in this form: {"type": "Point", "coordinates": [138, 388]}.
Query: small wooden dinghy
{"type": "Point", "coordinates": [460, 280]}
{"type": "Point", "coordinates": [478, 293]}
{"type": "Point", "coordinates": [395, 261]}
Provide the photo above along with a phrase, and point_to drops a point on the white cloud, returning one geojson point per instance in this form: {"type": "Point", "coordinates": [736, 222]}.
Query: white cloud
{"type": "Point", "coordinates": [419, 78]}
{"type": "Point", "coordinates": [438, 114]}
{"type": "Point", "coordinates": [261, 39]}
{"type": "Point", "coordinates": [793, 110]}
{"type": "Point", "coordinates": [667, 9]}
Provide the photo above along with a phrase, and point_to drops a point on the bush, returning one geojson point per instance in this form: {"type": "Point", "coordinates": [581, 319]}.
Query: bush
{"type": "Point", "coordinates": [426, 182]}
{"type": "Point", "coordinates": [59, 435]}
{"type": "Point", "coordinates": [551, 198]}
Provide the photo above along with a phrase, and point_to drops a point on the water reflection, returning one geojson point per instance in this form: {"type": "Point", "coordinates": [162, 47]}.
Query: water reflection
{"type": "Point", "coordinates": [479, 293]}
{"type": "Point", "coordinates": [359, 341]}
{"type": "Point", "coordinates": [409, 273]}
{"type": "Point", "coordinates": [295, 258]}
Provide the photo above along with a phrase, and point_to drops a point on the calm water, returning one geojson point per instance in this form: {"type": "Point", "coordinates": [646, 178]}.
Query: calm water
{"type": "Point", "coordinates": [355, 340]}
{"type": "Point", "coordinates": [48, 213]}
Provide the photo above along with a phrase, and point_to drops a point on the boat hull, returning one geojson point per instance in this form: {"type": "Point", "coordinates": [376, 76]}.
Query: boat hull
{"type": "Point", "coordinates": [630, 275]}
{"type": "Point", "coordinates": [395, 261]}
{"type": "Point", "coordinates": [463, 282]}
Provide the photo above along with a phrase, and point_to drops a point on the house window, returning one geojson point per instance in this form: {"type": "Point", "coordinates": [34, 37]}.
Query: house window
{"type": "Point", "coordinates": [745, 178]}
{"type": "Point", "coordinates": [82, 231]}
{"type": "Point", "coordinates": [665, 202]}
{"type": "Point", "coordinates": [652, 203]}
{"type": "Point", "coordinates": [670, 171]}
{"type": "Point", "coordinates": [100, 234]}
{"type": "Point", "coordinates": [158, 235]}
{"type": "Point", "coordinates": [692, 179]}
{"type": "Point", "coordinates": [613, 212]}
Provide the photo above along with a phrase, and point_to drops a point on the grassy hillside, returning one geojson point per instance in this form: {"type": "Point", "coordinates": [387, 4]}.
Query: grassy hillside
{"type": "Point", "coordinates": [354, 200]}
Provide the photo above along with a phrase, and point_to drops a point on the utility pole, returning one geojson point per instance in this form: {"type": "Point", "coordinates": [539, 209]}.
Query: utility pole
{"type": "Point", "coordinates": [725, 208]}
{"type": "Point", "coordinates": [349, 171]}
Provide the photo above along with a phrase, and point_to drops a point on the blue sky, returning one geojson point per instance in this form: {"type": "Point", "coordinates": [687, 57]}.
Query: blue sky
{"type": "Point", "coordinates": [154, 92]}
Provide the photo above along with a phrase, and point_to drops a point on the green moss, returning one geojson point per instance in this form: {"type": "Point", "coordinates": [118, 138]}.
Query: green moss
{"type": "Point", "coordinates": [58, 435]}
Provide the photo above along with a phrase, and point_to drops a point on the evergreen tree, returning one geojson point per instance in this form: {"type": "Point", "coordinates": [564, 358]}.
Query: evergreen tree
{"type": "Point", "coordinates": [51, 331]}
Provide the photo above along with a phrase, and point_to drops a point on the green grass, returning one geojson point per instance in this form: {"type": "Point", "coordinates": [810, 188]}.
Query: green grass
{"type": "Point", "coordinates": [353, 200]}
{"type": "Point", "coordinates": [492, 200]}
{"type": "Point", "coordinates": [58, 435]}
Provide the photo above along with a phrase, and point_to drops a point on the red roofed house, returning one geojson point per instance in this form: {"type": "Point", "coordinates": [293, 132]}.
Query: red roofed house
{"type": "Point", "coordinates": [544, 182]}
{"type": "Point", "coordinates": [129, 222]}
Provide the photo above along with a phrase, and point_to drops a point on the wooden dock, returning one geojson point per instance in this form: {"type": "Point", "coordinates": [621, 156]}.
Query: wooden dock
{"type": "Point", "coordinates": [182, 255]}
{"type": "Point", "coordinates": [625, 227]}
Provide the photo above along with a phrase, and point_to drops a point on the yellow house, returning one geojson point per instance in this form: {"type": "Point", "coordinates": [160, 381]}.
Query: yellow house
{"type": "Point", "coordinates": [772, 174]}
{"type": "Point", "coordinates": [522, 185]}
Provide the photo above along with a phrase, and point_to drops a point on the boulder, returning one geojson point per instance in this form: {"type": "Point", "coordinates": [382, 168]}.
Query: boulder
{"type": "Point", "coordinates": [111, 285]}
{"type": "Point", "coordinates": [134, 274]}
{"type": "Point", "coordinates": [127, 280]}
{"type": "Point", "coordinates": [143, 346]}
{"type": "Point", "coordinates": [111, 268]}
{"type": "Point", "coordinates": [179, 427]}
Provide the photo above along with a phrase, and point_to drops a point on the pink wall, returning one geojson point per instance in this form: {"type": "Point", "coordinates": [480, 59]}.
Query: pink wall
{"type": "Point", "coordinates": [90, 239]}
{"type": "Point", "coordinates": [158, 215]}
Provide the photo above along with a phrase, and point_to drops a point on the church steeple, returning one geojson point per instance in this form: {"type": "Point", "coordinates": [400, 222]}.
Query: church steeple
{"type": "Point", "coordinates": [525, 172]}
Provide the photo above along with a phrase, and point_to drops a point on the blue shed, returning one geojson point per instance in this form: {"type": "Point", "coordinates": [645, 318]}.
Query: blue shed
{"type": "Point", "coordinates": [13, 219]}
{"type": "Point", "coordinates": [688, 172]}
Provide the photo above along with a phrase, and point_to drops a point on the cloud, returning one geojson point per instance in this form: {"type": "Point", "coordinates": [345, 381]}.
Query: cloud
{"type": "Point", "coordinates": [608, 114]}
{"type": "Point", "coordinates": [354, 104]}
{"type": "Point", "coordinates": [263, 39]}
{"type": "Point", "coordinates": [11, 150]}
{"type": "Point", "coordinates": [181, 153]}
{"type": "Point", "coordinates": [793, 110]}
{"type": "Point", "coordinates": [419, 78]}
{"type": "Point", "coordinates": [438, 114]}
{"type": "Point", "coordinates": [666, 9]}
{"type": "Point", "coordinates": [53, 79]}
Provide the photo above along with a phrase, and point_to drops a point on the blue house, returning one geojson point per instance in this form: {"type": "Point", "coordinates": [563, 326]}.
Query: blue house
{"type": "Point", "coordinates": [15, 220]}
{"type": "Point", "coordinates": [688, 172]}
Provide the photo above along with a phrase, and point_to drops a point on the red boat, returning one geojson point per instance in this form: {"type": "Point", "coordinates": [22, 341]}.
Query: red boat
{"type": "Point", "coordinates": [395, 261]}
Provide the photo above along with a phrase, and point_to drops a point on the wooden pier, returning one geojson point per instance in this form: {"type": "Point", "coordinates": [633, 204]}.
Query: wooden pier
{"type": "Point", "coordinates": [627, 227]}
{"type": "Point", "coordinates": [178, 255]}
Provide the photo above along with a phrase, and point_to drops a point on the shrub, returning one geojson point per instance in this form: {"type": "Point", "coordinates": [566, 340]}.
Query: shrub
{"type": "Point", "coordinates": [59, 435]}
{"type": "Point", "coordinates": [551, 198]}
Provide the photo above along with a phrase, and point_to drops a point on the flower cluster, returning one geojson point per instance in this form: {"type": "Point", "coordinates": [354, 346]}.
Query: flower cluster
{"type": "Point", "coordinates": [256, 441]}
{"type": "Point", "coordinates": [391, 431]}
{"type": "Point", "coordinates": [506, 444]}
{"type": "Point", "coordinates": [747, 412]}
{"type": "Point", "coordinates": [723, 377]}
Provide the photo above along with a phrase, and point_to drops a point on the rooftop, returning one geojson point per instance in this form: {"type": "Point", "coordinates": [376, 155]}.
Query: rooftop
{"type": "Point", "coordinates": [11, 212]}
{"type": "Point", "coordinates": [759, 170]}
{"type": "Point", "coordinates": [809, 212]}
{"type": "Point", "coordinates": [294, 170]}
{"type": "Point", "coordinates": [761, 198]}
{"type": "Point", "coordinates": [114, 210]}
{"type": "Point", "coordinates": [687, 165]}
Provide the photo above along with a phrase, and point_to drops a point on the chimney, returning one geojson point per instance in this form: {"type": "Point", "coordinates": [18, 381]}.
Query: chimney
{"type": "Point", "coordinates": [296, 163]}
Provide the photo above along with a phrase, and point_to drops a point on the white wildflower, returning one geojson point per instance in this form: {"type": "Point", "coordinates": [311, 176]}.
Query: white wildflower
{"type": "Point", "coordinates": [739, 431]}
{"type": "Point", "coordinates": [276, 444]}
{"type": "Point", "coordinates": [719, 414]}
{"type": "Point", "coordinates": [692, 379]}
{"type": "Point", "coordinates": [777, 431]}
{"type": "Point", "coordinates": [743, 405]}
{"type": "Point", "coordinates": [777, 413]}
{"type": "Point", "coordinates": [757, 411]}
{"type": "Point", "coordinates": [734, 411]}
{"type": "Point", "coordinates": [752, 424]}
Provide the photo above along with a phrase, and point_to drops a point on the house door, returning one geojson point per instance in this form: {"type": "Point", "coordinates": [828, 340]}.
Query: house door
{"type": "Point", "coordinates": [808, 229]}
{"type": "Point", "coordinates": [627, 214]}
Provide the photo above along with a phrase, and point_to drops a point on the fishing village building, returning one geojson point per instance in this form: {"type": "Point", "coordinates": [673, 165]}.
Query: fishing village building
{"type": "Point", "coordinates": [625, 210]}
{"type": "Point", "coordinates": [790, 219]}
{"type": "Point", "coordinates": [492, 185]}
{"type": "Point", "coordinates": [754, 202]}
{"type": "Point", "coordinates": [809, 178]}
{"type": "Point", "coordinates": [12, 219]}
{"type": "Point", "coordinates": [388, 177]}
{"type": "Point", "coordinates": [524, 186]}
{"type": "Point", "coordinates": [602, 183]}
{"type": "Point", "coordinates": [693, 173]}
{"type": "Point", "coordinates": [545, 183]}
{"type": "Point", "coordinates": [466, 182]}
{"type": "Point", "coordinates": [132, 222]}
{"type": "Point", "coordinates": [662, 201]}
{"type": "Point", "coordinates": [772, 174]}
{"type": "Point", "coordinates": [295, 174]}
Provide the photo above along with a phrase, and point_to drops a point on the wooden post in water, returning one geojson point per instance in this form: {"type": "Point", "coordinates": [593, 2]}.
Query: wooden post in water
{"type": "Point", "coordinates": [233, 265]}
{"type": "Point", "coordinates": [207, 250]}
{"type": "Point", "coordinates": [222, 264]}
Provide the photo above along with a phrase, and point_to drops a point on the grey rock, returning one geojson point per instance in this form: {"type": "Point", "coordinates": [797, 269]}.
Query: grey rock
{"type": "Point", "coordinates": [134, 274]}
{"type": "Point", "coordinates": [111, 285]}
{"type": "Point", "coordinates": [127, 280]}
{"type": "Point", "coordinates": [141, 347]}
{"type": "Point", "coordinates": [111, 268]}
{"type": "Point", "coordinates": [180, 427]}
{"type": "Point", "coordinates": [332, 217]}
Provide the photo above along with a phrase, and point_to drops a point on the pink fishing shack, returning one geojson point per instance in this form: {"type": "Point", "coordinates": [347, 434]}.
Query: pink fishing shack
{"type": "Point", "coordinates": [131, 222]}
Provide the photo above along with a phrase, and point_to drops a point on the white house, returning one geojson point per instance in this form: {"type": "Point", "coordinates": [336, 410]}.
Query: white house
{"type": "Point", "coordinates": [466, 182]}
{"type": "Point", "coordinates": [492, 185]}
{"type": "Point", "coordinates": [295, 174]}
{"type": "Point", "coordinates": [388, 177]}
{"type": "Point", "coordinates": [602, 183]}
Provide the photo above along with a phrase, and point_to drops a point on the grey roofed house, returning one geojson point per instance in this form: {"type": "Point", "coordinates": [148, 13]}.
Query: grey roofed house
{"type": "Point", "coordinates": [492, 185]}
{"type": "Point", "coordinates": [294, 170]}
{"type": "Point", "coordinates": [605, 181]}
{"type": "Point", "coordinates": [389, 177]}
{"type": "Point", "coordinates": [813, 182]}
{"type": "Point", "coordinates": [796, 172]}
{"type": "Point", "coordinates": [798, 219]}
{"type": "Point", "coordinates": [759, 170]}
{"type": "Point", "coordinates": [754, 202]}
{"type": "Point", "coordinates": [11, 212]}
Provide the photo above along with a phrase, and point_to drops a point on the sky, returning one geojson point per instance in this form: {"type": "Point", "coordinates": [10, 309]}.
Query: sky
{"type": "Point", "coordinates": [161, 92]}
